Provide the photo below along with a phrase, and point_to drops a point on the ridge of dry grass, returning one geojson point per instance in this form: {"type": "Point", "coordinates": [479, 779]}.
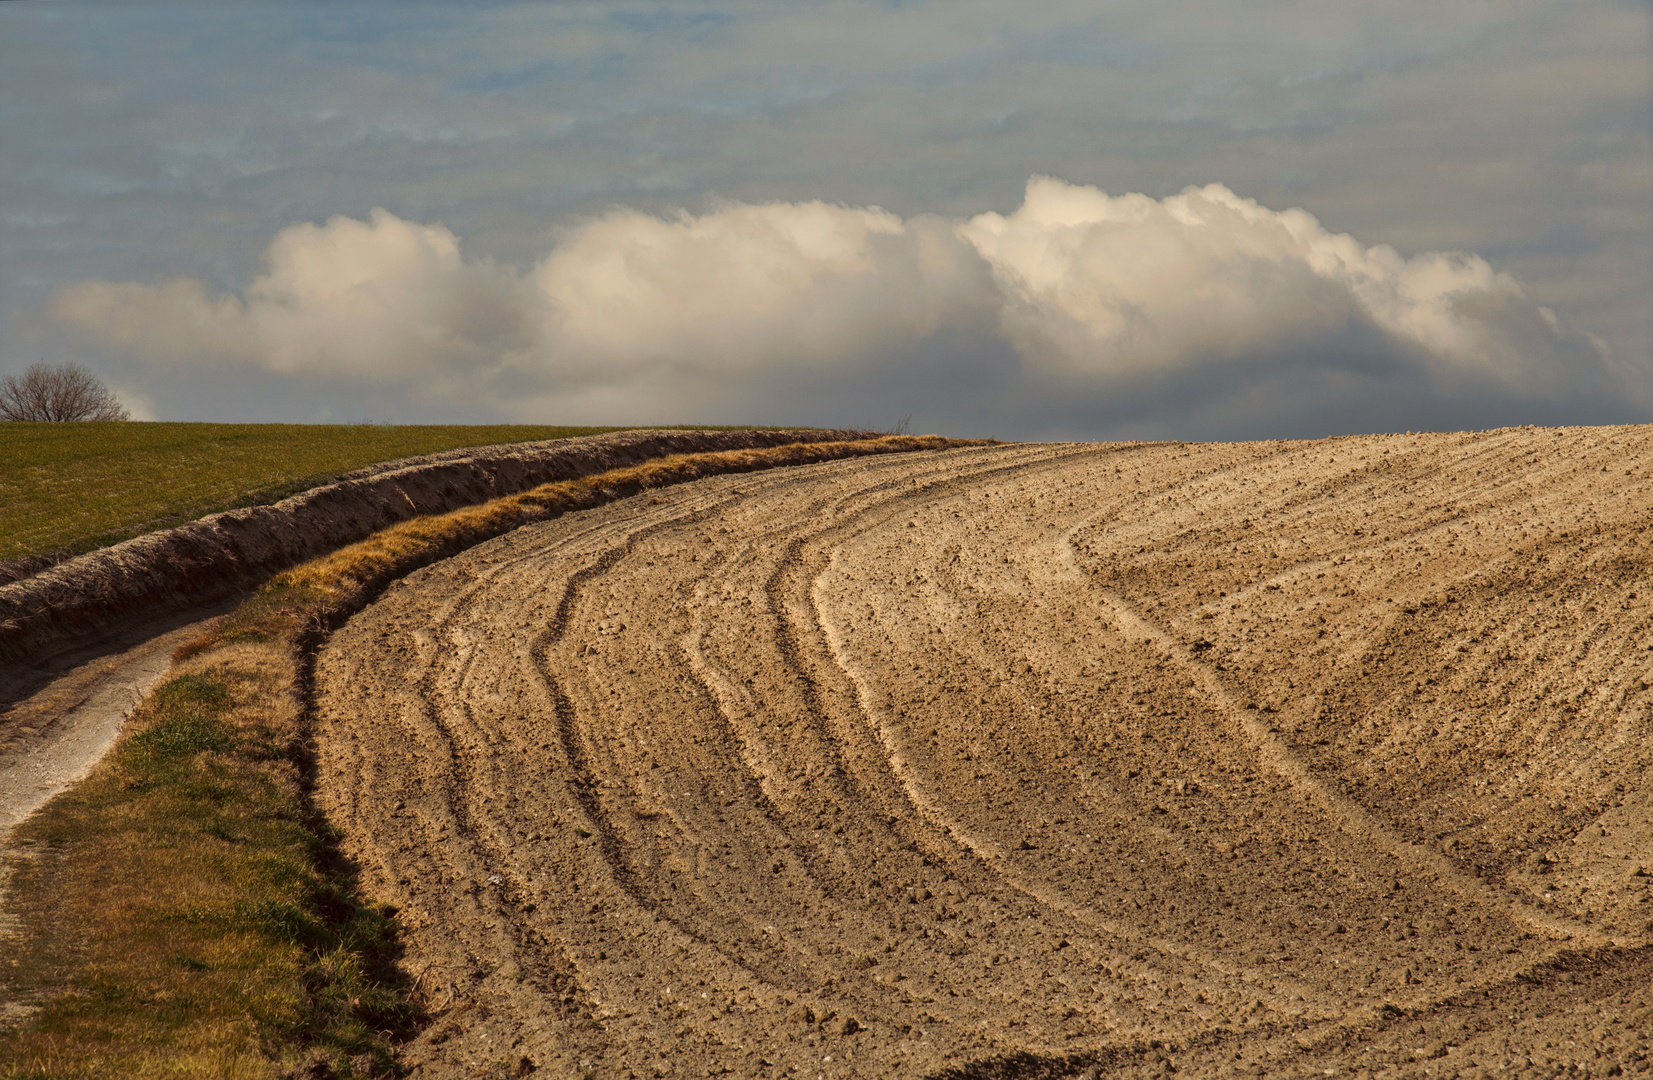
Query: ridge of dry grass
{"type": "Point", "coordinates": [314, 596]}
{"type": "Point", "coordinates": [184, 911]}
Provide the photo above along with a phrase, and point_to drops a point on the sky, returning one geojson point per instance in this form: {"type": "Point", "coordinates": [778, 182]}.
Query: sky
{"type": "Point", "coordinates": [1039, 220]}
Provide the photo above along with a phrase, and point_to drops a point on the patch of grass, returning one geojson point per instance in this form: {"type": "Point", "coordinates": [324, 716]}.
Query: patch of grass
{"type": "Point", "coordinates": [180, 913]}
{"type": "Point", "coordinates": [75, 487]}
{"type": "Point", "coordinates": [183, 912]}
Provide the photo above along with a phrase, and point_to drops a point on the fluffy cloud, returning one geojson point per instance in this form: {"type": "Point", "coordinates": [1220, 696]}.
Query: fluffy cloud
{"type": "Point", "coordinates": [384, 301]}
{"type": "Point", "coordinates": [1098, 287]}
{"type": "Point", "coordinates": [743, 289]}
{"type": "Point", "coordinates": [1089, 301]}
{"type": "Point", "coordinates": [751, 289]}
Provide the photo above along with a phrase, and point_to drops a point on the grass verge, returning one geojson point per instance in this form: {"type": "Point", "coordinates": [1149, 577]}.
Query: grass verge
{"type": "Point", "coordinates": [184, 912]}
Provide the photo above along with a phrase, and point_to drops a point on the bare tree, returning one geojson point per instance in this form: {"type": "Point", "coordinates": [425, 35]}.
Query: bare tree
{"type": "Point", "coordinates": [58, 392]}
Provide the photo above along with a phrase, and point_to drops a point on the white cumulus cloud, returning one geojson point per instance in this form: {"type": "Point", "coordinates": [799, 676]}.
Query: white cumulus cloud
{"type": "Point", "coordinates": [751, 288]}
{"type": "Point", "coordinates": [1084, 297]}
{"type": "Point", "coordinates": [384, 301]}
{"type": "Point", "coordinates": [1098, 286]}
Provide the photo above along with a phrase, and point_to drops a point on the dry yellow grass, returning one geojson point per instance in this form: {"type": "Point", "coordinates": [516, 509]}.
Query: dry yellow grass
{"type": "Point", "coordinates": [392, 550]}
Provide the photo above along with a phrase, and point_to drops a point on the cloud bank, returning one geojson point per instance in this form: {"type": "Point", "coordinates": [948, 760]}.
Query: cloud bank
{"type": "Point", "coordinates": [1096, 312]}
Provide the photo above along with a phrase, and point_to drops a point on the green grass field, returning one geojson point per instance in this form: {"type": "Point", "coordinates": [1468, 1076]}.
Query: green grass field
{"type": "Point", "coordinates": [75, 487]}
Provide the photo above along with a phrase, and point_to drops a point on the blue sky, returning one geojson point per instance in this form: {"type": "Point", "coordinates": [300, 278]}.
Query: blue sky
{"type": "Point", "coordinates": [670, 154]}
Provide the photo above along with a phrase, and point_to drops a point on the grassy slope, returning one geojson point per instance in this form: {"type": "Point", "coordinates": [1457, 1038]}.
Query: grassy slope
{"type": "Point", "coordinates": [76, 487]}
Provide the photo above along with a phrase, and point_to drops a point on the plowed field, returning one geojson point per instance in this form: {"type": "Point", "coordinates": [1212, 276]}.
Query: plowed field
{"type": "Point", "coordinates": [1283, 758]}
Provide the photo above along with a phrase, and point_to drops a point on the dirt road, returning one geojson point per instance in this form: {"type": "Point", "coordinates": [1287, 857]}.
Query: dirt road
{"type": "Point", "coordinates": [1283, 758]}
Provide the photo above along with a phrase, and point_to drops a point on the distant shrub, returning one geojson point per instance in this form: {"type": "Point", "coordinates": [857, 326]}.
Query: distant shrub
{"type": "Point", "coordinates": [58, 393]}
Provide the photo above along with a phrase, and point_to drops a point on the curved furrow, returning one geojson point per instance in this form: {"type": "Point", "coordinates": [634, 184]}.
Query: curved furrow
{"type": "Point", "coordinates": [990, 854]}
{"type": "Point", "coordinates": [451, 707]}
{"type": "Point", "coordinates": [732, 911]}
{"type": "Point", "coordinates": [796, 691]}
{"type": "Point", "coordinates": [1111, 941]}
{"type": "Point", "coordinates": [648, 923]}
{"type": "Point", "coordinates": [808, 647]}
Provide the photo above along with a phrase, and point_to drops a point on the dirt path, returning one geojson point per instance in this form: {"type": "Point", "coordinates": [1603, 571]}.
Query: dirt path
{"type": "Point", "coordinates": [1287, 757]}
{"type": "Point", "coordinates": [53, 736]}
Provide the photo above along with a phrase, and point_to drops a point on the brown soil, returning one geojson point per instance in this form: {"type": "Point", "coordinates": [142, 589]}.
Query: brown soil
{"type": "Point", "coordinates": [1299, 758]}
